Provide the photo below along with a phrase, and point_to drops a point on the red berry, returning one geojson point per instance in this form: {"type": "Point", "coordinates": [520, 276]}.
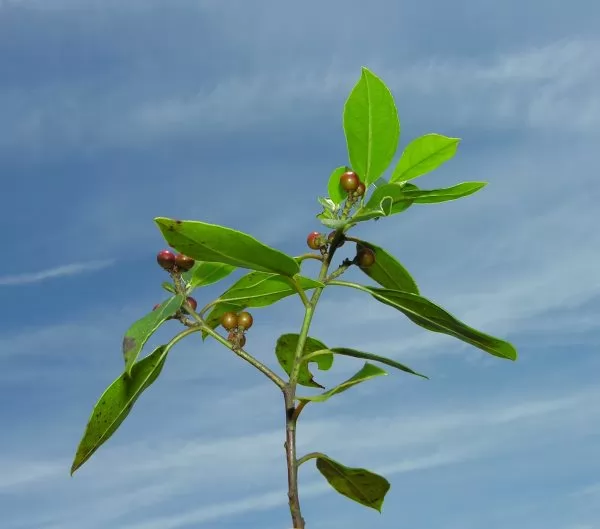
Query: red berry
{"type": "Point", "coordinates": [184, 262]}
{"type": "Point", "coordinates": [365, 257]}
{"type": "Point", "coordinates": [245, 320]}
{"type": "Point", "coordinates": [314, 240]}
{"type": "Point", "coordinates": [193, 303]}
{"type": "Point", "coordinates": [349, 181]}
{"type": "Point", "coordinates": [229, 321]}
{"type": "Point", "coordinates": [166, 259]}
{"type": "Point", "coordinates": [360, 190]}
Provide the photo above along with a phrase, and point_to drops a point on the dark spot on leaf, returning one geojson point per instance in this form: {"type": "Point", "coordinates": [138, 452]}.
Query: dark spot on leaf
{"type": "Point", "coordinates": [128, 344]}
{"type": "Point", "coordinates": [177, 222]}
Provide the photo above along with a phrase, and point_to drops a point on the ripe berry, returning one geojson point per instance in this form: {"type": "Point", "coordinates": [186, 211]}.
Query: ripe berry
{"type": "Point", "coordinates": [360, 190]}
{"type": "Point", "coordinates": [365, 257]}
{"type": "Point", "coordinates": [314, 240]}
{"type": "Point", "coordinates": [245, 320]}
{"type": "Point", "coordinates": [349, 181]}
{"type": "Point", "coordinates": [229, 321]}
{"type": "Point", "coordinates": [193, 303]}
{"type": "Point", "coordinates": [184, 262]}
{"type": "Point", "coordinates": [166, 259]}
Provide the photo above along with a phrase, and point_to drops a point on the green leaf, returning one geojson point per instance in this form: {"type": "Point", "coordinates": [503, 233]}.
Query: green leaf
{"type": "Point", "coordinates": [330, 209]}
{"type": "Point", "coordinates": [387, 271]}
{"type": "Point", "coordinates": [400, 202]}
{"type": "Point", "coordinates": [169, 287]}
{"type": "Point", "coordinates": [116, 402]}
{"type": "Point", "coordinates": [363, 214]}
{"type": "Point", "coordinates": [423, 155]}
{"type": "Point", "coordinates": [421, 196]}
{"type": "Point", "coordinates": [336, 193]}
{"type": "Point", "coordinates": [376, 358]}
{"type": "Point", "coordinates": [335, 224]}
{"type": "Point", "coordinates": [205, 273]}
{"type": "Point", "coordinates": [358, 484]}
{"type": "Point", "coordinates": [434, 318]}
{"type": "Point", "coordinates": [139, 333]}
{"type": "Point", "coordinates": [260, 289]}
{"type": "Point", "coordinates": [371, 127]}
{"type": "Point", "coordinates": [367, 372]}
{"type": "Point", "coordinates": [285, 350]}
{"type": "Point", "coordinates": [217, 244]}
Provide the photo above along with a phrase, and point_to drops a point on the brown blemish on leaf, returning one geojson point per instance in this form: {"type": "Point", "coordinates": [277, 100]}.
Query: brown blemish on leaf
{"type": "Point", "coordinates": [128, 344]}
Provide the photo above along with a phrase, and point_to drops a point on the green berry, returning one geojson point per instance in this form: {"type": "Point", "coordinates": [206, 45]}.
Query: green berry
{"type": "Point", "coordinates": [349, 181]}
{"type": "Point", "coordinates": [183, 262]}
{"type": "Point", "coordinates": [365, 257]}
{"type": "Point", "coordinates": [166, 259]}
{"type": "Point", "coordinates": [229, 321]}
{"type": "Point", "coordinates": [245, 320]}
{"type": "Point", "coordinates": [314, 240]}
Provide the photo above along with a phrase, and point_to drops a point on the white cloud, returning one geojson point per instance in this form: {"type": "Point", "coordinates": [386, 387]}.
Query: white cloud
{"type": "Point", "coordinates": [52, 273]}
{"type": "Point", "coordinates": [392, 444]}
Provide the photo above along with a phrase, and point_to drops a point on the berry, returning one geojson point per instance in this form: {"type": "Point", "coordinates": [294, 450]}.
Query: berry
{"type": "Point", "coordinates": [183, 262]}
{"type": "Point", "coordinates": [193, 303]}
{"type": "Point", "coordinates": [166, 259]}
{"type": "Point", "coordinates": [349, 181]}
{"type": "Point", "coordinates": [314, 240]}
{"type": "Point", "coordinates": [360, 190]}
{"type": "Point", "coordinates": [365, 257]}
{"type": "Point", "coordinates": [331, 236]}
{"type": "Point", "coordinates": [229, 321]}
{"type": "Point", "coordinates": [241, 341]}
{"type": "Point", "coordinates": [245, 320]}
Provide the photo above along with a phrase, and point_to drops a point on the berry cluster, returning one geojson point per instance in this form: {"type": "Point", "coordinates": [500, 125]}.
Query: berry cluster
{"type": "Point", "coordinates": [351, 183]}
{"type": "Point", "coordinates": [174, 263]}
{"type": "Point", "coordinates": [237, 325]}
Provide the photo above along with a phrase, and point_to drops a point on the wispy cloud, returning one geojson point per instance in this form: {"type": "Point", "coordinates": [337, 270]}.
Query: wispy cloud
{"type": "Point", "coordinates": [53, 273]}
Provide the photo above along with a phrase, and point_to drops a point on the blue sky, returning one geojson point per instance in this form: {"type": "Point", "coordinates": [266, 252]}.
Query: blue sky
{"type": "Point", "coordinates": [114, 112]}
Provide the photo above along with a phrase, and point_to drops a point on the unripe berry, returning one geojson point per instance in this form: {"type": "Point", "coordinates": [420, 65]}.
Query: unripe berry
{"type": "Point", "coordinates": [365, 257]}
{"type": "Point", "coordinates": [166, 259]}
{"type": "Point", "coordinates": [331, 236]}
{"type": "Point", "coordinates": [360, 190]}
{"type": "Point", "coordinates": [245, 320]}
{"type": "Point", "coordinates": [183, 262]}
{"type": "Point", "coordinates": [193, 303]}
{"type": "Point", "coordinates": [349, 181]}
{"type": "Point", "coordinates": [229, 321]}
{"type": "Point", "coordinates": [314, 240]}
